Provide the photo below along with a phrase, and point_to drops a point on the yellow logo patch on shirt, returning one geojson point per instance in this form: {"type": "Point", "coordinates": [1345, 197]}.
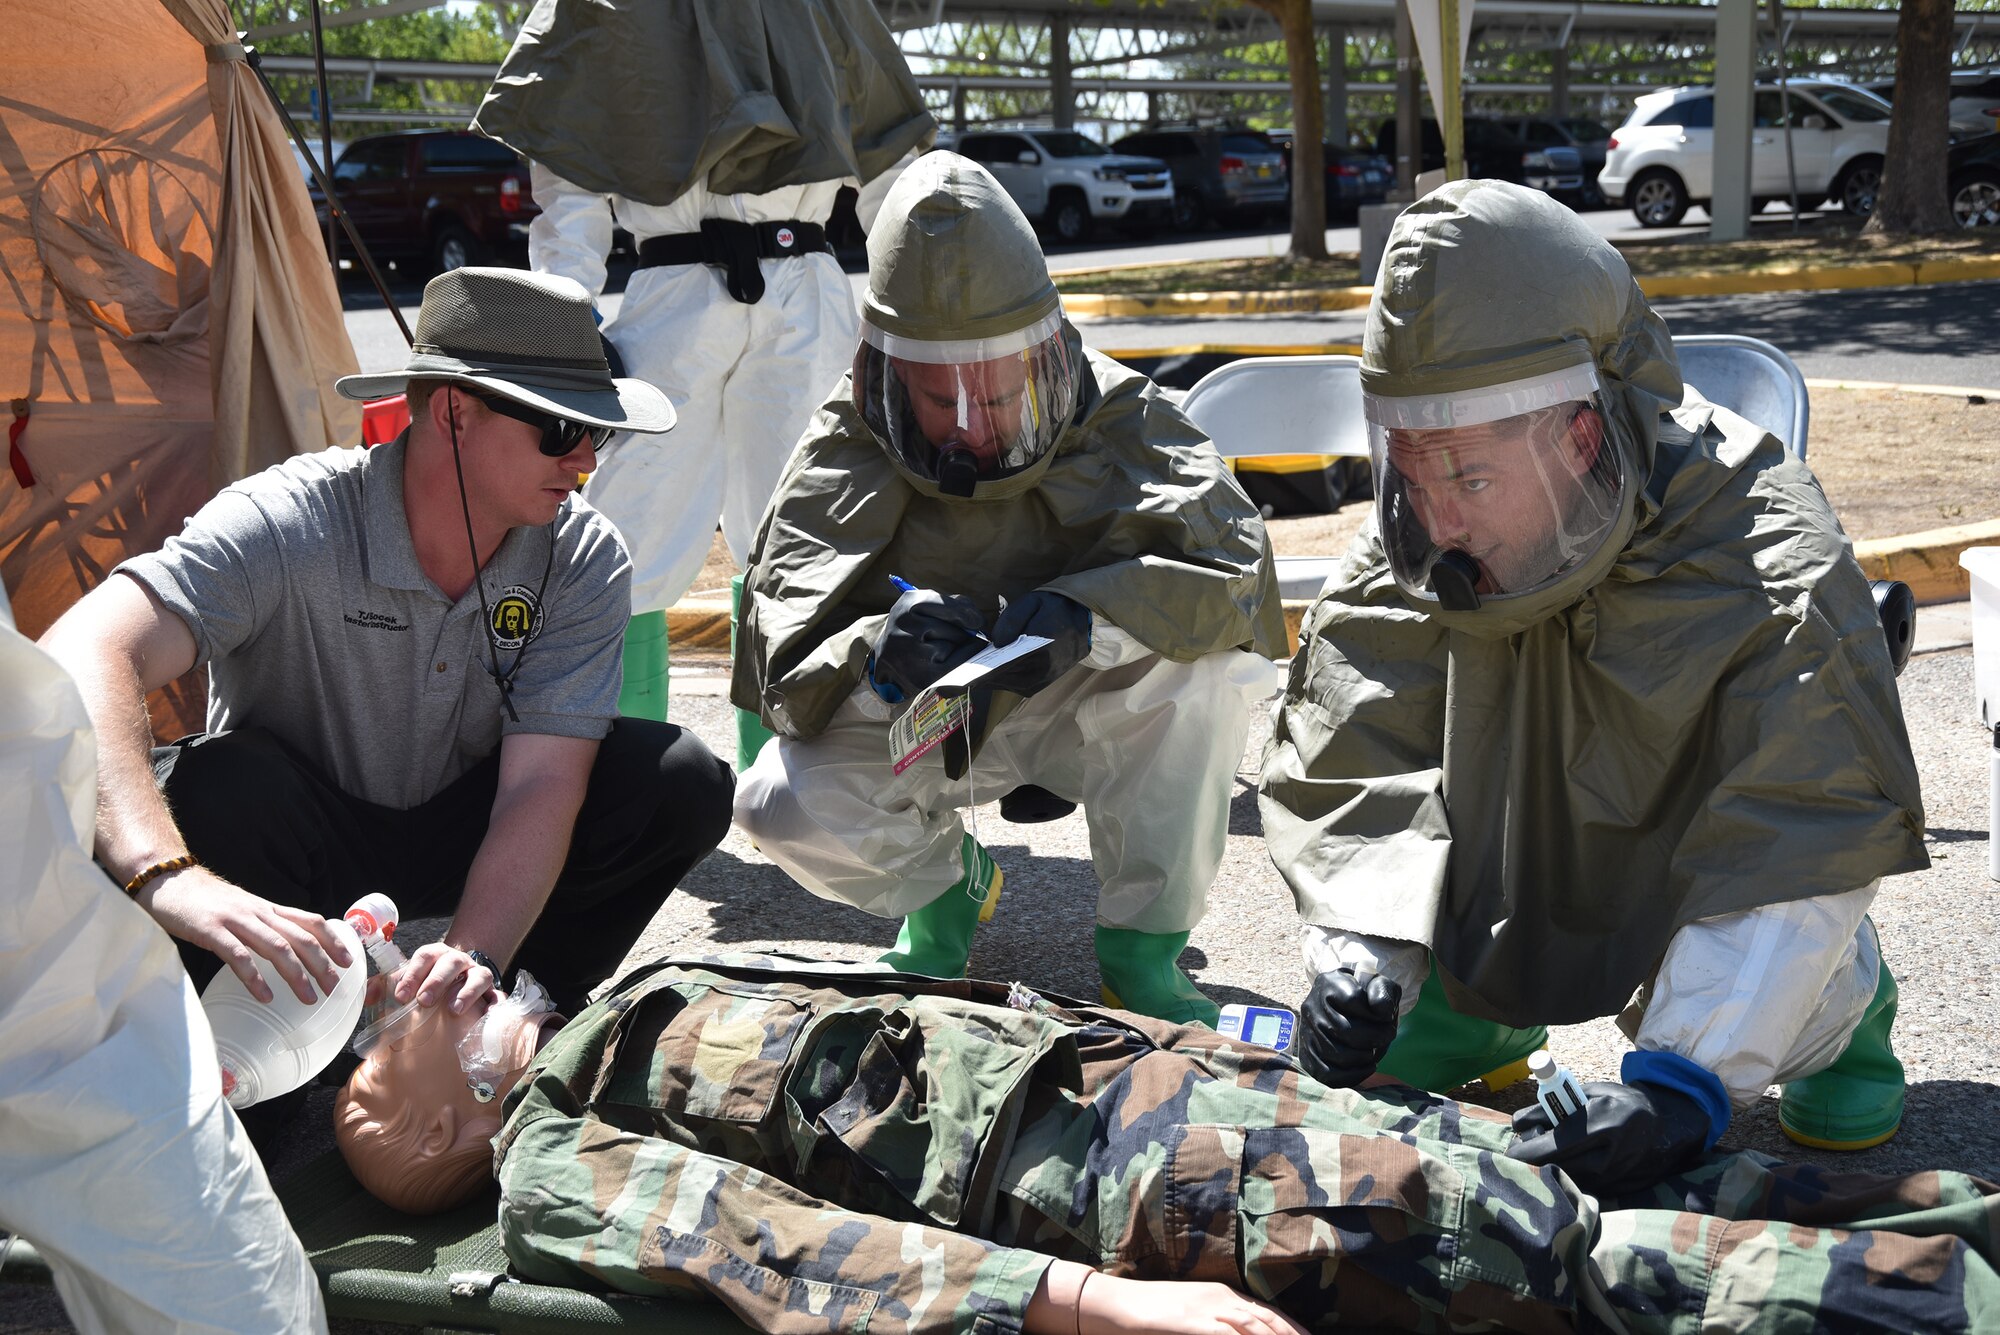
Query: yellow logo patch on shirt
{"type": "Point", "coordinates": [517, 617]}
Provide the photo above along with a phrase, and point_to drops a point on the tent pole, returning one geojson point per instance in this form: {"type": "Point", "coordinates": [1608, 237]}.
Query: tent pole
{"type": "Point", "coordinates": [333, 208]}
{"type": "Point", "coordinates": [325, 131]}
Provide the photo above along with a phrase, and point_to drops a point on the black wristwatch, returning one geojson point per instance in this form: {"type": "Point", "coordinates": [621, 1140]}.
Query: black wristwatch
{"type": "Point", "coordinates": [485, 961]}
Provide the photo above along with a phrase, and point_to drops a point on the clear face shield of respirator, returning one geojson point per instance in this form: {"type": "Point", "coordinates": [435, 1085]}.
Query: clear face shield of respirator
{"type": "Point", "coordinates": [1494, 493]}
{"type": "Point", "coordinates": [962, 411]}
{"type": "Point", "coordinates": [492, 1052]}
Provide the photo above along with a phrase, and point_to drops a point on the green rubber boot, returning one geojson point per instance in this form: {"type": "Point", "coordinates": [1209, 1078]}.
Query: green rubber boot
{"type": "Point", "coordinates": [936, 940]}
{"type": "Point", "coordinates": [644, 694]}
{"type": "Point", "coordinates": [1437, 1049]}
{"type": "Point", "coordinates": [751, 734]}
{"type": "Point", "coordinates": [1858, 1101]}
{"type": "Point", "coordinates": [1137, 972]}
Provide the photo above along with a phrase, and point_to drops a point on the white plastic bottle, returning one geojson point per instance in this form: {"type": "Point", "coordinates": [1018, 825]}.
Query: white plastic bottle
{"type": "Point", "coordinates": [1555, 1088]}
{"type": "Point", "coordinates": [271, 1048]}
{"type": "Point", "coordinates": [374, 917]}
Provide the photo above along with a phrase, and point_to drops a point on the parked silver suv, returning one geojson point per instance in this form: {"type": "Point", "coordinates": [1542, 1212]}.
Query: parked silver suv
{"type": "Point", "coordinates": [1662, 158]}
{"type": "Point", "coordinates": [1070, 181]}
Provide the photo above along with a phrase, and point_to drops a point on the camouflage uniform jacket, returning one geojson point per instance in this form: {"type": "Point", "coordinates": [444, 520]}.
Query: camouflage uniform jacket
{"type": "Point", "coordinates": [837, 1147]}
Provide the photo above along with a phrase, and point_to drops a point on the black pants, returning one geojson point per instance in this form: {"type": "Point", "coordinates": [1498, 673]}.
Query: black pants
{"type": "Point", "coordinates": [257, 813]}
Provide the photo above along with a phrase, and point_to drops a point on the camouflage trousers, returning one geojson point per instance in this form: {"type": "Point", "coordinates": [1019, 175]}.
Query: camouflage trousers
{"type": "Point", "coordinates": [1363, 1211]}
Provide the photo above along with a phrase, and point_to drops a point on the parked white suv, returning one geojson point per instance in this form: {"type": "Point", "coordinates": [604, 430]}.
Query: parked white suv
{"type": "Point", "coordinates": [1068, 180]}
{"type": "Point", "coordinates": [1661, 159]}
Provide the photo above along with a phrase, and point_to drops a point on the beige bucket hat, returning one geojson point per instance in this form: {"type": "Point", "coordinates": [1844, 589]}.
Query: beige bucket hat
{"type": "Point", "coordinates": [524, 336]}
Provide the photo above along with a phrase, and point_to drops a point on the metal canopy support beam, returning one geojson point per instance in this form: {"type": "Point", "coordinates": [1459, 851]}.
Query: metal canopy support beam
{"type": "Point", "coordinates": [1409, 134]}
{"type": "Point", "coordinates": [1559, 83]}
{"type": "Point", "coordinates": [1336, 85]}
{"type": "Point", "coordinates": [1061, 94]}
{"type": "Point", "coordinates": [1735, 77]}
{"type": "Point", "coordinates": [341, 18]}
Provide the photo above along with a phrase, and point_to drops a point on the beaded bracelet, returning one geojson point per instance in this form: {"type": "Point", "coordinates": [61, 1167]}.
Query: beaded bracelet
{"type": "Point", "coordinates": [138, 883]}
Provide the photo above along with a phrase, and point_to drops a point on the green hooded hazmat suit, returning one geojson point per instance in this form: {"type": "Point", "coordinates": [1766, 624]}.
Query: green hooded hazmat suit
{"type": "Point", "coordinates": [1678, 767]}
{"type": "Point", "coordinates": [1124, 508]}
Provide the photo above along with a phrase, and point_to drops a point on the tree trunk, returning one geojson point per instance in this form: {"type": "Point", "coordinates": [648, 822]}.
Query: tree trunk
{"type": "Point", "coordinates": [1912, 196]}
{"type": "Point", "coordinates": [1308, 126]}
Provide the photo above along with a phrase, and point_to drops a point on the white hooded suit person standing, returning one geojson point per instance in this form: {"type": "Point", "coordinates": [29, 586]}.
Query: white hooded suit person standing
{"type": "Point", "coordinates": [718, 133]}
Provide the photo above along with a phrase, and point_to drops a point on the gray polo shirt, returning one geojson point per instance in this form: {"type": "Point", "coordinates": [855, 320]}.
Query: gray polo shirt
{"type": "Point", "coordinates": [302, 589]}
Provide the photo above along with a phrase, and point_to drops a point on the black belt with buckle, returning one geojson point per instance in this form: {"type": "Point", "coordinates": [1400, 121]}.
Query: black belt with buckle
{"type": "Point", "coordinates": [735, 247]}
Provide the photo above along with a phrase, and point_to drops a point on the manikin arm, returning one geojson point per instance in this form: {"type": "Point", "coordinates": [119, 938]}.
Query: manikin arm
{"type": "Point", "coordinates": [120, 642]}
{"type": "Point", "coordinates": [1073, 1299]}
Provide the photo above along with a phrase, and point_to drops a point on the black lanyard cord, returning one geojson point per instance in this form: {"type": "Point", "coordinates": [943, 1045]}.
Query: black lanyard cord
{"type": "Point", "coordinates": [504, 680]}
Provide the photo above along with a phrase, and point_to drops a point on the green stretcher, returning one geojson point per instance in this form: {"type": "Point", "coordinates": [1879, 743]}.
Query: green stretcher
{"type": "Point", "coordinates": [443, 1273]}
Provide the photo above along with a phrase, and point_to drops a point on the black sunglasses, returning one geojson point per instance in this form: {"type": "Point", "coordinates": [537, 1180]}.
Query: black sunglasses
{"type": "Point", "coordinates": [560, 436]}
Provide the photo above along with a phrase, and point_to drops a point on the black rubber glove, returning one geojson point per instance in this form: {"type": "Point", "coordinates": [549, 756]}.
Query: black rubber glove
{"type": "Point", "coordinates": [1346, 1025]}
{"type": "Point", "coordinates": [1064, 621]}
{"type": "Point", "coordinates": [927, 635]}
{"type": "Point", "coordinates": [1629, 1137]}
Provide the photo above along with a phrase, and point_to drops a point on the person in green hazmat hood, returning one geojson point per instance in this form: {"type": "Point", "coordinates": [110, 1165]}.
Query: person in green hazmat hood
{"type": "Point", "coordinates": [1596, 717]}
{"type": "Point", "coordinates": [980, 476]}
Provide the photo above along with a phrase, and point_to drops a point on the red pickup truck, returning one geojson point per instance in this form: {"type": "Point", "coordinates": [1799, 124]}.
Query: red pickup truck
{"type": "Point", "coordinates": [436, 198]}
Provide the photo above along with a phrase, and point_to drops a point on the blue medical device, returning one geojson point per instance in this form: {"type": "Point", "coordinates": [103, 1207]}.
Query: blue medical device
{"type": "Point", "coordinates": [1267, 1026]}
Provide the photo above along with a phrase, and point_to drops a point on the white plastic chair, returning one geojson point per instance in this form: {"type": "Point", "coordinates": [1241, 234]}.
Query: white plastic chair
{"type": "Point", "coordinates": [1750, 378]}
{"type": "Point", "coordinates": [1284, 405]}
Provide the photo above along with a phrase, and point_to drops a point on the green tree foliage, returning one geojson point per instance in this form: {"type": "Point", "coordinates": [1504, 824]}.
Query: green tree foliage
{"type": "Point", "coordinates": [477, 34]}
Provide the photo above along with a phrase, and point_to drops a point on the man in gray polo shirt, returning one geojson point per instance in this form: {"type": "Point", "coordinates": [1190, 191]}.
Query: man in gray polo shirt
{"type": "Point", "coordinates": [414, 665]}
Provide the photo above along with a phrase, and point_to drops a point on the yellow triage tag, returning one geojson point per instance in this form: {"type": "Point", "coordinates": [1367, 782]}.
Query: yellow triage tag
{"type": "Point", "coordinates": [943, 707]}
{"type": "Point", "coordinates": [929, 720]}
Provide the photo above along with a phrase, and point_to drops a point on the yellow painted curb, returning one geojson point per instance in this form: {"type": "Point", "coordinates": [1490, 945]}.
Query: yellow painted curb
{"type": "Point", "coordinates": [1298, 301]}
{"type": "Point", "coordinates": [1234, 350]}
{"type": "Point", "coordinates": [699, 623]}
{"type": "Point", "coordinates": [1306, 301]}
{"type": "Point", "coordinates": [1781, 280]}
{"type": "Point", "coordinates": [1894, 387]}
{"type": "Point", "coordinates": [1928, 561]}
{"type": "Point", "coordinates": [1958, 271]}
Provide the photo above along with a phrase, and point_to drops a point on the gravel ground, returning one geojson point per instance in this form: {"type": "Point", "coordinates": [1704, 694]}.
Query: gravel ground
{"type": "Point", "coordinates": [1940, 931]}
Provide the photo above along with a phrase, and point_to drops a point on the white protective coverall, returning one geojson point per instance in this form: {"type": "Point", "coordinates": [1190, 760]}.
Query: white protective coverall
{"type": "Point", "coordinates": [119, 1159]}
{"type": "Point", "coordinates": [1149, 747]}
{"type": "Point", "coordinates": [744, 378]}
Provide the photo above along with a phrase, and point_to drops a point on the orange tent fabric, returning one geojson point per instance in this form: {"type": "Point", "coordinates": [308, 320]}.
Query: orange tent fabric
{"type": "Point", "coordinates": [168, 320]}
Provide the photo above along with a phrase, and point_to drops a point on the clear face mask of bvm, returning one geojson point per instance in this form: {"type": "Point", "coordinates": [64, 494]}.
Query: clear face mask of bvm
{"type": "Point", "coordinates": [488, 1053]}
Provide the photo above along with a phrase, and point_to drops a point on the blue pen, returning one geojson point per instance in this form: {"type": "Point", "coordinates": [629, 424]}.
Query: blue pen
{"type": "Point", "coordinates": [907, 587]}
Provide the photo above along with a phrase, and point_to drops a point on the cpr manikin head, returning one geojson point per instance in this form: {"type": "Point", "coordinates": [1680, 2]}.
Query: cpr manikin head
{"type": "Point", "coordinates": [967, 371]}
{"type": "Point", "coordinates": [416, 1120]}
{"type": "Point", "coordinates": [1513, 379]}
